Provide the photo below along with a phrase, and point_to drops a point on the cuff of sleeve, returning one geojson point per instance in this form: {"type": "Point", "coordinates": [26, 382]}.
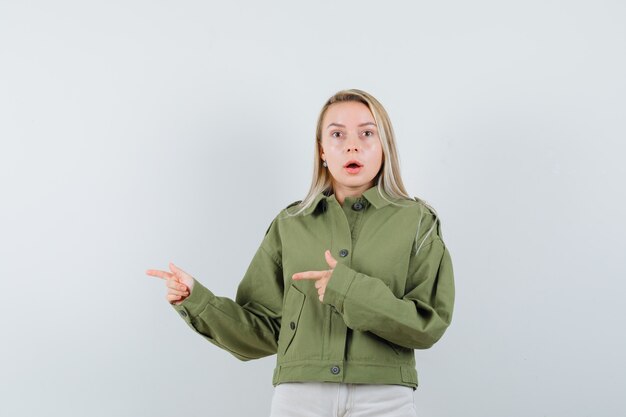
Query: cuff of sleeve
{"type": "Point", "coordinates": [196, 302]}
{"type": "Point", "coordinates": [338, 286]}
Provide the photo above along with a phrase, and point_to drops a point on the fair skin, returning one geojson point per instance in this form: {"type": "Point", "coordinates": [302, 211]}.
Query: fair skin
{"type": "Point", "coordinates": [179, 283]}
{"type": "Point", "coordinates": [349, 132]}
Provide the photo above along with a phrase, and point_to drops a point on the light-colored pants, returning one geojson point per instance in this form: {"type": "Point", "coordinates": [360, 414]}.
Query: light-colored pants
{"type": "Point", "coordinates": [331, 399]}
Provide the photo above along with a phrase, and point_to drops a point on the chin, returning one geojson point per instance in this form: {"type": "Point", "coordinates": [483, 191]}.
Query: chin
{"type": "Point", "coordinates": [356, 182]}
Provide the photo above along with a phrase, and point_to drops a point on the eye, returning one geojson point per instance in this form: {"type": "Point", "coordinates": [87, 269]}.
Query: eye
{"type": "Point", "coordinates": [368, 133]}
{"type": "Point", "coordinates": [335, 134]}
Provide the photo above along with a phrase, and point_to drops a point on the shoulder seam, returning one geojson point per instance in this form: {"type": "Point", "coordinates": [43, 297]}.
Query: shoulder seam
{"type": "Point", "coordinates": [434, 226]}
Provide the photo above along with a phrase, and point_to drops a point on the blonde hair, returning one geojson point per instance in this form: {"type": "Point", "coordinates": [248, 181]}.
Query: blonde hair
{"type": "Point", "coordinates": [388, 179]}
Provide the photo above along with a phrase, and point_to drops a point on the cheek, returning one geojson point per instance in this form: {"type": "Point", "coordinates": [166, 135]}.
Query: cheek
{"type": "Point", "coordinates": [377, 158]}
{"type": "Point", "coordinates": [375, 151]}
{"type": "Point", "coordinates": [325, 143]}
{"type": "Point", "coordinates": [334, 145]}
{"type": "Point", "coordinates": [333, 151]}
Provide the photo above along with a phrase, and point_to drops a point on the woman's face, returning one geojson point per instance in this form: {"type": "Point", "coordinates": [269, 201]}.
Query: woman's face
{"type": "Point", "coordinates": [349, 133]}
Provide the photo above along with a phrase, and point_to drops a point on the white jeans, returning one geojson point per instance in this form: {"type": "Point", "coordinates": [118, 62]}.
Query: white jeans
{"type": "Point", "coordinates": [330, 399]}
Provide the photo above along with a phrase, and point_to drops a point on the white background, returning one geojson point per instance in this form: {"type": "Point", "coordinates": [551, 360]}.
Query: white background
{"type": "Point", "coordinates": [134, 133]}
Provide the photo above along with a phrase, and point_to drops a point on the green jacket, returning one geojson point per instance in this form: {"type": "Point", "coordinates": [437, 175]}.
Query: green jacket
{"type": "Point", "coordinates": [392, 291]}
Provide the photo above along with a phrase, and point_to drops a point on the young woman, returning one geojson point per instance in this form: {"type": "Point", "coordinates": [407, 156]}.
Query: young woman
{"type": "Point", "coordinates": [345, 284]}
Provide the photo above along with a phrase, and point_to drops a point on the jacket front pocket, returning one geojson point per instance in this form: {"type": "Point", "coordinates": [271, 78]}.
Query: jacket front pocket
{"type": "Point", "coordinates": [291, 318]}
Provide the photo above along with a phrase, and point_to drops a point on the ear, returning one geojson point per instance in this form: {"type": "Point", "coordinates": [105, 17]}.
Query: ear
{"type": "Point", "coordinates": [322, 154]}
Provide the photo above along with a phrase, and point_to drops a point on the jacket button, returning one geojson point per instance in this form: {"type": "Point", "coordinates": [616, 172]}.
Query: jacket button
{"type": "Point", "coordinates": [357, 206]}
{"type": "Point", "coordinates": [343, 253]}
{"type": "Point", "coordinates": [183, 313]}
{"type": "Point", "coordinates": [335, 370]}
{"type": "Point", "coordinates": [292, 325]}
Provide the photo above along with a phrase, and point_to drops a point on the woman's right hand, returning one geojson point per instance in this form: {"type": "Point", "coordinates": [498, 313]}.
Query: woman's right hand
{"type": "Point", "coordinates": [179, 283]}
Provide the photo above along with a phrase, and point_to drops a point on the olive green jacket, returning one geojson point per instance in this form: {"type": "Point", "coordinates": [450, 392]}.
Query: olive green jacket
{"type": "Point", "coordinates": [392, 291]}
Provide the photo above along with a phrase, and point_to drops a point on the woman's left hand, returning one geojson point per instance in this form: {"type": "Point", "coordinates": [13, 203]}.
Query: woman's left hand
{"type": "Point", "coordinates": [321, 277]}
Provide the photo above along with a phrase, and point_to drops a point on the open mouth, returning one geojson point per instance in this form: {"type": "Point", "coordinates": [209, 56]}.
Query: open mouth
{"type": "Point", "coordinates": [353, 164]}
{"type": "Point", "coordinates": [353, 167]}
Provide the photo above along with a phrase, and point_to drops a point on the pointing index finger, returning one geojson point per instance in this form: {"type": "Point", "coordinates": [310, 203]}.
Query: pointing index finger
{"type": "Point", "coordinates": [308, 275]}
{"type": "Point", "coordinates": [159, 274]}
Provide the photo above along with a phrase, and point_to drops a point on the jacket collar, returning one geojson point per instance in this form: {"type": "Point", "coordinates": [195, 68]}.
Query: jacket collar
{"type": "Point", "coordinates": [371, 195]}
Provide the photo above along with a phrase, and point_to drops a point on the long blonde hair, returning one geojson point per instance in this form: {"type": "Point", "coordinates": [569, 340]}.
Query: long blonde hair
{"type": "Point", "coordinates": [388, 179]}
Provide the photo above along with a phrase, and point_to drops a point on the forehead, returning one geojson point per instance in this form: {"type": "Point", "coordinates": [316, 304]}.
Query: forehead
{"type": "Point", "coordinates": [348, 112]}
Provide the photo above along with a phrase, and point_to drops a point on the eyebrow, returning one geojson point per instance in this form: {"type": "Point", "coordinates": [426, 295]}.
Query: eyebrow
{"type": "Point", "coordinates": [340, 125]}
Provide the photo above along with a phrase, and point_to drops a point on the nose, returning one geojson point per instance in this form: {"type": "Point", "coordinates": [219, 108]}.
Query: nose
{"type": "Point", "coordinates": [352, 144]}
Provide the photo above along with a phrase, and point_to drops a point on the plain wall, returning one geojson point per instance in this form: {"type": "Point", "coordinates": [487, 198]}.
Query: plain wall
{"type": "Point", "coordinates": [134, 133]}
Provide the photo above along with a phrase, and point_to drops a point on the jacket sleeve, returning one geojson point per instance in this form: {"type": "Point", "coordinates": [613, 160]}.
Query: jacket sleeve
{"type": "Point", "coordinates": [247, 327]}
{"type": "Point", "coordinates": [420, 317]}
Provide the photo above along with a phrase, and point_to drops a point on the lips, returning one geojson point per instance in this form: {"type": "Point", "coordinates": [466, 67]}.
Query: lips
{"type": "Point", "coordinates": [353, 163]}
{"type": "Point", "coordinates": [353, 166]}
